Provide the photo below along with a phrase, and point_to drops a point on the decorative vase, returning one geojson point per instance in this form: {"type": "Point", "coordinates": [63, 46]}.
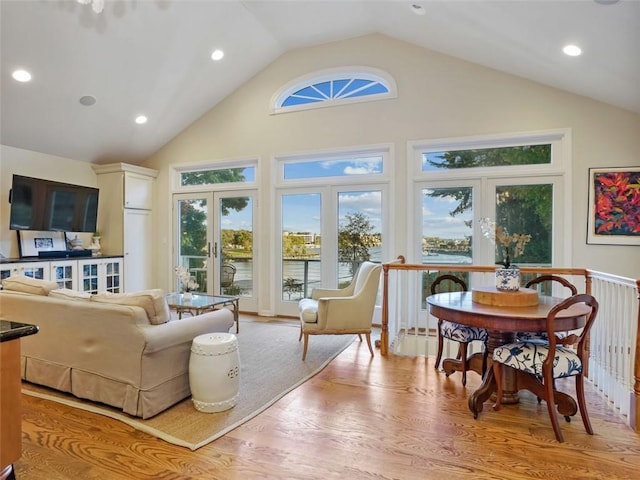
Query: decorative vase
{"type": "Point", "coordinates": [187, 296]}
{"type": "Point", "coordinates": [508, 279]}
{"type": "Point", "coordinates": [95, 246]}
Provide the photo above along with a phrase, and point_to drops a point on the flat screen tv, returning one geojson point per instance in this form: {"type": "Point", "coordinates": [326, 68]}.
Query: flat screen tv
{"type": "Point", "coordinates": [38, 204]}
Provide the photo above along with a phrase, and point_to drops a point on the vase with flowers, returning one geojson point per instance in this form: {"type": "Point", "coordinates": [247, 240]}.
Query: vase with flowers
{"type": "Point", "coordinates": [188, 283]}
{"type": "Point", "coordinates": [510, 246]}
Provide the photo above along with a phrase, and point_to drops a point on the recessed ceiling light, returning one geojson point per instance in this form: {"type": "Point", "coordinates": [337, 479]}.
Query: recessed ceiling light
{"type": "Point", "coordinates": [88, 100]}
{"type": "Point", "coordinates": [21, 76]}
{"type": "Point", "coordinates": [217, 55]}
{"type": "Point", "coordinates": [606, 2]}
{"type": "Point", "coordinates": [572, 50]}
{"type": "Point", "coordinates": [418, 9]}
{"type": "Point", "coordinates": [140, 119]}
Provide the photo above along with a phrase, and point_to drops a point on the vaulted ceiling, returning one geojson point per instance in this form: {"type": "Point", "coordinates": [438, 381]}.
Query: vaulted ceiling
{"type": "Point", "coordinates": [152, 57]}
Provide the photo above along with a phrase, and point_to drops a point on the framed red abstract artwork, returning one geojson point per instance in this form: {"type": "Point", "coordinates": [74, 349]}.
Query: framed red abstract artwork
{"type": "Point", "coordinates": [614, 206]}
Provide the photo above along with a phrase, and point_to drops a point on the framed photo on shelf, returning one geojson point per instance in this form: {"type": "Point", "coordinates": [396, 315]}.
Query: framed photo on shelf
{"type": "Point", "coordinates": [614, 196]}
{"type": "Point", "coordinates": [32, 242]}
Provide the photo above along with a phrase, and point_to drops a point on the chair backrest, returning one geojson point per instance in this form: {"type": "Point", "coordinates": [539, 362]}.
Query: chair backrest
{"type": "Point", "coordinates": [552, 278]}
{"type": "Point", "coordinates": [362, 276]}
{"type": "Point", "coordinates": [575, 338]}
{"type": "Point", "coordinates": [448, 283]}
{"type": "Point", "coordinates": [227, 273]}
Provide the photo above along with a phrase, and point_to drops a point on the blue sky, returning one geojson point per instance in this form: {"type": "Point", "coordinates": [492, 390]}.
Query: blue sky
{"type": "Point", "coordinates": [437, 222]}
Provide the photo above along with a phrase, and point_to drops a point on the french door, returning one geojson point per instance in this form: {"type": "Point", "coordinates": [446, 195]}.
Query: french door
{"type": "Point", "coordinates": [326, 232]}
{"type": "Point", "coordinates": [214, 234]}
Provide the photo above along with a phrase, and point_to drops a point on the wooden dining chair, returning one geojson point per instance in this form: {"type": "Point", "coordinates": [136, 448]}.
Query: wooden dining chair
{"type": "Point", "coordinates": [539, 283]}
{"type": "Point", "coordinates": [462, 334]}
{"type": "Point", "coordinates": [543, 362]}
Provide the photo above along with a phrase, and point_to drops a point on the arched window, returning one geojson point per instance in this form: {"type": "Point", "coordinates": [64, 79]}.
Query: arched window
{"type": "Point", "coordinates": [333, 87]}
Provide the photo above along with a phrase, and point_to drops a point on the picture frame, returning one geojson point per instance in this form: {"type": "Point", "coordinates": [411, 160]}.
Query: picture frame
{"type": "Point", "coordinates": [32, 242]}
{"type": "Point", "coordinates": [612, 216]}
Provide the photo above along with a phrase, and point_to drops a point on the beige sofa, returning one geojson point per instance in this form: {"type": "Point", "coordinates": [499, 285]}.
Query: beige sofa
{"type": "Point", "coordinates": [108, 352]}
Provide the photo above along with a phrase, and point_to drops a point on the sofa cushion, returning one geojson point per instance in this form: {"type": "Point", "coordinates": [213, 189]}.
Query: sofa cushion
{"type": "Point", "coordinates": [68, 294]}
{"type": "Point", "coordinates": [22, 283]}
{"type": "Point", "coordinates": [153, 301]}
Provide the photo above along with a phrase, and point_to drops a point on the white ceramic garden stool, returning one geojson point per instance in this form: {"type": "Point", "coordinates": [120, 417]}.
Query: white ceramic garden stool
{"type": "Point", "coordinates": [214, 372]}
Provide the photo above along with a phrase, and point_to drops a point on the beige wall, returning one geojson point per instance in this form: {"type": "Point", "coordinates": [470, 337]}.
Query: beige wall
{"type": "Point", "coordinates": [39, 165]}
{"type": "Point", "coordinates": [438, 96]}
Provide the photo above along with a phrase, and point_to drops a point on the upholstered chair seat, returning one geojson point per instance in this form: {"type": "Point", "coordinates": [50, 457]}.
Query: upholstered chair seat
{"type": "Point", "coordinates": [462, 333]}
{"type": "Point", "coordinates": [529, 357]}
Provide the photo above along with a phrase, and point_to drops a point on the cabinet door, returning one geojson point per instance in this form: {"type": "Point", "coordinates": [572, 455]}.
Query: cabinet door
{"type": "Point", "coordinates": [138, 191]}
{"type": "Point", "coordinates": [9, 269]}
{"type": "Point", "coordinates": [89, 275]}
{"type": "Point", "coordinates": [39, 270]}
{"type": "Point", "coordinates": [65, 273]}
{"type": "Point", "coordinates": [111, 275]}
{"type": "Point", "coordinates": [100, 275]}
{"type": "Point", "coordinates": [138, 260]}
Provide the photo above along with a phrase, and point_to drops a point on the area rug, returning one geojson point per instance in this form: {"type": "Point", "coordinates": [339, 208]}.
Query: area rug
{"type": "Point", "coordinates": [270, 366]}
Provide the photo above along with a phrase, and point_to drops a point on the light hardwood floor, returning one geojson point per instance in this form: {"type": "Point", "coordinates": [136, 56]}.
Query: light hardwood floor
{"type": "Point", "coordinates": [382, 418]}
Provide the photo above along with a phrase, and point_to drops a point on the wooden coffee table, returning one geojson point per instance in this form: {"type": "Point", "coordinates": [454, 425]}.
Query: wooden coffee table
{"type": "Point", "coordinates": [200, 303]}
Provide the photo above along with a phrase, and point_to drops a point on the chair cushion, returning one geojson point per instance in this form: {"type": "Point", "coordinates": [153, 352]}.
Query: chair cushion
{"type": "Point", "coordinates": [34, 286]}
{"type": "Point", "coordinates": [528, 357]}
{"type": "Point", "coordinates": [308, 310]}
{"type": "Point", "coordinates": [153, 301]}
{"type": "Point", "coordinates": [462, 333]}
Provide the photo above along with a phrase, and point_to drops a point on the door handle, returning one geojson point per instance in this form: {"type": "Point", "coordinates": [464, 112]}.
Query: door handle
{"type": "Point", "coordinates": [209, 249]}
{"type": "Point", "coordinates": [215, 250]}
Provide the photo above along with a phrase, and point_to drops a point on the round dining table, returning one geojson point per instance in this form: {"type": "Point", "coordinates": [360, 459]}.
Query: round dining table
{"type": "Point", "coordinates": [502, 322]}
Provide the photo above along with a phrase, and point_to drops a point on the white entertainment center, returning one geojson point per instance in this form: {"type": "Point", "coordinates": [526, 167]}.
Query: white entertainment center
{"type": "Point", "coordinates": [126, 230]}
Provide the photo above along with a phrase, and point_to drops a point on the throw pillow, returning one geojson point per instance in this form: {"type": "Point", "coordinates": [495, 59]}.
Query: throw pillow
{"type": "Point", "coordinates": [153, 301]}
{"type": "Point", "coordinates": [68, 294]}
{"type": "Point", "coordinates": [22, 283]}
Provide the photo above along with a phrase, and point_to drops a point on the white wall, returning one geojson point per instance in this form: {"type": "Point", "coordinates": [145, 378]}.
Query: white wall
{"type": "Point", "coordinates": [39, 165]}
{"type": "Point", "coordinates": [438, 96]}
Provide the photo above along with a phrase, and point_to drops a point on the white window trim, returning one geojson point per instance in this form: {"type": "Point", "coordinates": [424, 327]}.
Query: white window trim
{"type": "Point", "coordinates": [177, 169]}
{"type": "Point", "coordinates": [559, 139]}
{"type": "Point", "coordinates": [367, 73]}
{"type": "Point", "coordinates": [560, 166]}
{"type": "Point", "coordinates": [386, 150]}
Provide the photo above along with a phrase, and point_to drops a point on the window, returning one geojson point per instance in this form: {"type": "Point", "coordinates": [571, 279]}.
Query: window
{"type": "Point", "coordinates": [521, 182]}
{"type": "Point", "coordinates": [334, 87]}
{"type": "Point", "coordinates": [218, 175]}
{"type": "Point", "coordinates": [487, 157]}
{"type": "Point", "coordinates": [332, 215]}
{"type": "Point", "coordinates": [341, 167]}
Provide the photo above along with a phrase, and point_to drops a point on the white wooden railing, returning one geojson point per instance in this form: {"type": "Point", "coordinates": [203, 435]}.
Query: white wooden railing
{"type": "Point", "coordinates": [613, 366]}
{"type": "Point", "coordinates": [614, 357]}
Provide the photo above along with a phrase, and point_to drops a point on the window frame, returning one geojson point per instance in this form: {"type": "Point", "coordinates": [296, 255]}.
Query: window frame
{"type": "Point", "coordinates": [558, 173]}
{"type": "Point", "coordinates": [179, 169]}
{"type": "Point", "coordinates": [331, 74]}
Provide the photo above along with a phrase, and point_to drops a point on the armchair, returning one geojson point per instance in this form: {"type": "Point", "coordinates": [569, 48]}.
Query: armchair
{"type": "Point", "coordinates": [342, 311]}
